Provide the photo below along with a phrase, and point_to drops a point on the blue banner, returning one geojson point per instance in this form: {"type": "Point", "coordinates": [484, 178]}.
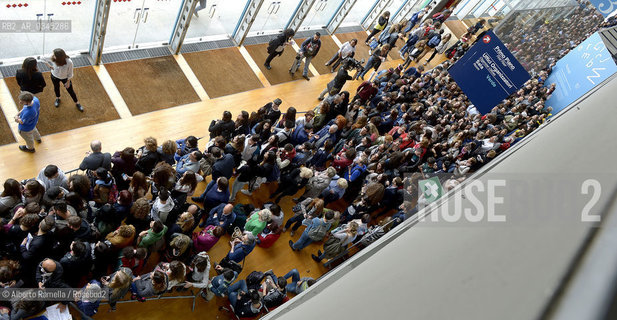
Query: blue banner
{"type": "Point", "coordinates": [579, 71]}
{"type": "Point", "coordinates": [606, 7]}
{"type": "Point", "coordinates": [488, 73]}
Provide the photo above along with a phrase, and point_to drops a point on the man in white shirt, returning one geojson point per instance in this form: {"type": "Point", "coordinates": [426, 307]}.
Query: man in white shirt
{"type": "Point", "coordinates": [347, 50]}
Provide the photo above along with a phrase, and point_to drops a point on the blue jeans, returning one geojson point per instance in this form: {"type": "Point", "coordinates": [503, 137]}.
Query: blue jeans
{"type": "Point", "coordinates": [303, 241]}
{"type": "Point", "coordinates": [296, 220]}
{"type": "Point", "coordinates": [234, 289]}
{"type": "Point", "coordinates": [372, 62]}
{"type": "Point", "coordinates": [295, 277]}
{"type": "Point", "coordinates": [201, 5]}
{"type": "Point", "coordinates": [297, 62]}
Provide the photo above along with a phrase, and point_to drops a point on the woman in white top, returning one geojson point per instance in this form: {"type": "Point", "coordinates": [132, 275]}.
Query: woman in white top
{"type": "Point", "coordinates": [347, 50]}
{"type": "Point", "coordinates": [62, 71]}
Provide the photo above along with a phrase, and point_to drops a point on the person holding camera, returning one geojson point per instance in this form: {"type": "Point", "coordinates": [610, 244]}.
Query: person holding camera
{"type": "Point", "coordinates": [308, 50]}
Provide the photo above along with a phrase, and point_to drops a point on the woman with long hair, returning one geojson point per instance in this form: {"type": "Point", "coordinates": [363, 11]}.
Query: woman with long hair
{"type": "Point", "coordinates": [62, 71]}
{"type": "Point", "coordinates": [147, 156]}
{"type": "Point", "coordinates": [163, 176]}
{"type": "Point", "coordinates": [29, 78]}
{"type": "Point", "coordinates": [10, 197]}
{"type": "Point", "coordinates": [289, 115]}
{"type": "Point", "coordinates": [119, 282]}
{"type": "Point", "coordinates": [149, 285]}
{"type": "Point", "coordinates": [185, 186]}
{"type": "Point", "coordinates": [138, 186]}
{"type": "Point", "coordinates": [263, 129]}
{"type": "Point", "coordinates": [33, 191]}
{"type": "Point", "coordinates": [124, 167]}
{"type": "Point", "coordinates": [242, 124]}
{"type": "Point", "coordinates": [235, 148]}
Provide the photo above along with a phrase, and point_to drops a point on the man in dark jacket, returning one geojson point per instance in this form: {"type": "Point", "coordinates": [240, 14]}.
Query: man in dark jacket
{"type": "Point", "coordinates": [224, 164]}
{"type": "Point", "coordinates": [224, 127]}
{"type": "Point", "coordinates": [277, 45]}
{"type": "Point", "coordinates": [76, 263]}
{"type": "Point", "coordinates": [273, 111]}
{"type": "Point", "coordinates": [333, 87]}
{"type": "Point", "coordinates": [302, 134]}
{"type": "Point", "coordinates": [36, 248]}
{"type": "Point", "coordinates": [49, 275]}
{"type": "Point", "coordinates": [221, 215]}
{"type": "Point", "coordinates": [247, 304]}
{"type": "Point", "coordinates": [96, 159]}
{"type": "Point", "coordinates": [308, 50]}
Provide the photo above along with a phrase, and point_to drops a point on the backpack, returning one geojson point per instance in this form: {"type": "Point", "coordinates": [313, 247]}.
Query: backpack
{"type": "Point", "coordinates": [450, 54]}
{"type": "Point", "coordinates": [113, 194]}
{"type": "Point", "coordinates": [434, 41]}
{"type": "Point", "coordinates": [205, 165]}
{"type": "Point", "coordinates": [374, 43]}
{"type": "Point", "coordinates": [319, 232]}
{"type": "Point", "coordinates": [253, 280]}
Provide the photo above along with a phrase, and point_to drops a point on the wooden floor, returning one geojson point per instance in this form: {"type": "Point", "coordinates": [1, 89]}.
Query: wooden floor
{"type": "Point", "coordinates": [457, 27]}
{"type": "Point", "coordinates": [210, 64]}
{"type": "Point", "coordinates": [161, 78]}
{"type": "Point", "coordinates": [66, 149]}
{"type": "Point", "coordinates": [6, 135]}
{"type": "Point", "coordinates": [91, 94]}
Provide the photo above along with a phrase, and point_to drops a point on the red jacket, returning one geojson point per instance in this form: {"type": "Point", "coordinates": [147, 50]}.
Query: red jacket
{"type": "Point", "coordinates": [366, 91]}
{"type": "Point", "coordinates": [341, 162]}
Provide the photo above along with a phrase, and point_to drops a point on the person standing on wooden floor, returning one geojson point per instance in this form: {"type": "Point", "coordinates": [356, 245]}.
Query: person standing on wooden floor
{"type": "Point", "coordinates": [62, 71]}
{"type": "Point", "coordinates": [277, 45]}
{"type": "Point", "coordinates": [29, 78]}
{"type": "Point", "coordinates": [27, 118]}
{"type": "Point", "coordinates": [333, 87]}
{"type": "Point", "coordinates": [348, 50]}
{"type": "Point", "coordinates": [308, 50]}
{"type": "Point", "coordinates": [381, 24]}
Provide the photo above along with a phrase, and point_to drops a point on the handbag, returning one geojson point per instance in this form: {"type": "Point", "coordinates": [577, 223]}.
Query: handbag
{"type": "Point", "coordinates": [230, 264]}
{"type": "Point", "coordinates": [207, 294]}
{"type": "Point", "coordinates": [332, 247]}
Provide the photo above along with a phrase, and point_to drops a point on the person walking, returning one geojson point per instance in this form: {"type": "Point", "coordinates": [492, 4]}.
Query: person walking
{"type": "Point", "coordinates": [200, 6]}
{"type": "Point", "coordinates": [315, 231]}
{"type": "Point", "coordinates": [375, 60]}
{"type": "Point", "coordinates": [308, 50]}
{"type": "Point", "coordinates": [381, 24]}
{"type": "Point", "coordinates": [62, 71]}
{"type": "Point", "coordinates": [27, 118]}
{"type": "Point", "coordinates": [277, 45]}
{"type": "Point", "coordinates": [29, 78]}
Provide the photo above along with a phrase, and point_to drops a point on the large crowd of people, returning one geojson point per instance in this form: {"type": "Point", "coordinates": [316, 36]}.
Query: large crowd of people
{"type": "Point", "coordinates": [541, 41]}
{"type": "Point", "coordinates": [362, 151]}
